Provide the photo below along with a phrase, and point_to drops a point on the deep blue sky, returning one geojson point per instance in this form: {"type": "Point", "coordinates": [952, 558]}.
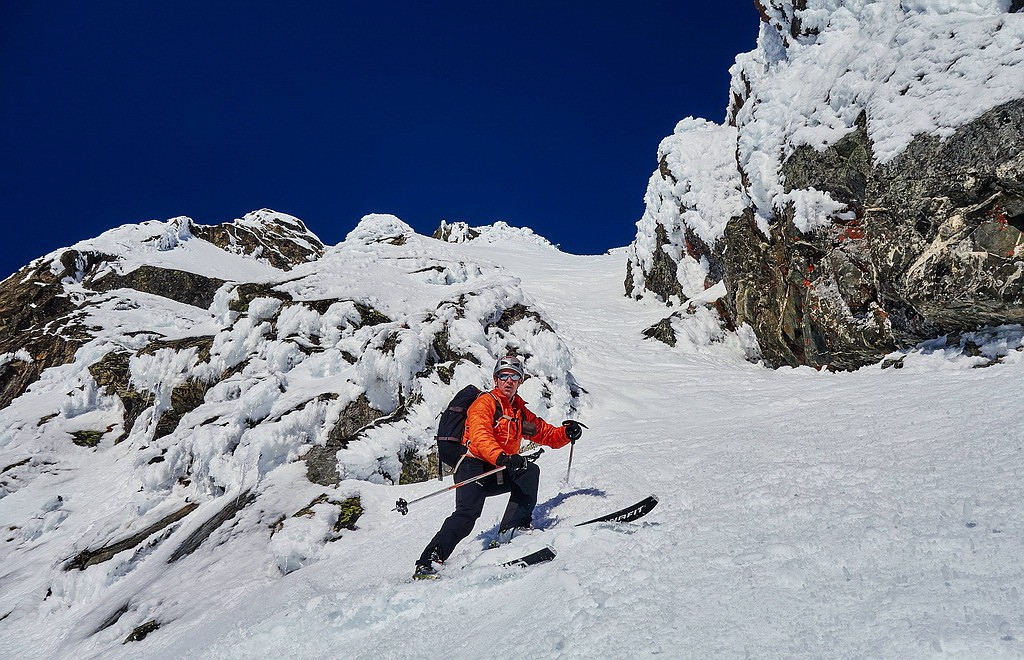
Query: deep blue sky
{"type": "Point", "coordinates": [543, 114]}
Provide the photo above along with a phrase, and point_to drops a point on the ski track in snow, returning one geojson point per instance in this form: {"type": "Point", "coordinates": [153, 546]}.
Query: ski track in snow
{"type": "Point", "coordinates": [802, 514]}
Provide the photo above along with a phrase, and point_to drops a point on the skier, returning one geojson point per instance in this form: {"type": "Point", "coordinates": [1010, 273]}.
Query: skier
{"type": "Point", "coordinates": [496, 443]}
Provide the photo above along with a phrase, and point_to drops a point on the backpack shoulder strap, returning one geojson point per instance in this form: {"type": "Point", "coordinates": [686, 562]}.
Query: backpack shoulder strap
{"type": "Point", "coordinates": [498, 412]}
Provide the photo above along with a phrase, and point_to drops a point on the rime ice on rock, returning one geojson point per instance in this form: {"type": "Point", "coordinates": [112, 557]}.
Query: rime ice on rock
{"type": "Point", "coordinates": [217, 380]}
{"type": "Point", "coordinates": [877, 150]}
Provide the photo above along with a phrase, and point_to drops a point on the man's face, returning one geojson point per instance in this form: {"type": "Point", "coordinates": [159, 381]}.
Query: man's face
{"type": "Point", "coordinates": [507, 383]}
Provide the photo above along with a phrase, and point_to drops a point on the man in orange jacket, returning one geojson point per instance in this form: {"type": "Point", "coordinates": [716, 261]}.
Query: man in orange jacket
{"type": "Point", "coordinates": [489, 443]}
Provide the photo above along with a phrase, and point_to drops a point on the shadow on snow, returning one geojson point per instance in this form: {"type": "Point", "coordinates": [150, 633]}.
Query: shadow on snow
{"type": "Point", "coordinates": [542, 517]}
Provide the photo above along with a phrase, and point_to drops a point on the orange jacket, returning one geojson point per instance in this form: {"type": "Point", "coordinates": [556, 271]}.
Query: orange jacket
{"type": "Point", "coordinates": [487, 440]}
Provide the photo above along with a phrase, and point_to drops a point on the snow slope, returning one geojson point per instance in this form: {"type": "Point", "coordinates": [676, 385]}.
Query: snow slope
{"type": "Point", "coordinates": [803, 514]}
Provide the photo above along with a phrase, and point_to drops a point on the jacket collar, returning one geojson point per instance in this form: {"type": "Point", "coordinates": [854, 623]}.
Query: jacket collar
{"type": "Point", "coordinates": [514, 404]}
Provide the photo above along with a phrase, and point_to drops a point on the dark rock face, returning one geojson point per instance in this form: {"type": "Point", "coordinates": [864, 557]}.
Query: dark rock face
{"type": "Point", "coordinates": [87, 558]}
{"type": "Point", "coordinates": [662, 331]}
{"type": "Point", "coordinates": [417, 468]}
{"type": "Point", "coordinates": [185, 398]}
{"type": "Point", "coordinates": [934, 246]}
{"type": "Point", "coordinates": [142, 632]}
{"type": "Point", "coordinates": [768, 288]}
{"type": "Point", "coordinates": [455, 232]}
{"type": "Point", "coordinates": [842, 170]}
{"type": "Point", "coordinates": [926, 244]}
{"type": "Point", "coordinates": [516, 313]}
{"type": "Point", "coordinates": [37, 317]}
{"type": "Point", "coordinates": [322, 465]}
{"type": "Point", "coordinates": [960, 204]}
{"type": "Point", "coordinates": [112, 374]}
{"type": "Point", "coordinates": [245, 293]}
{"type": "Point", "coordinates": [349, 511]}
{"type": "Point", "coordinates": [282, 240]}
{"type": "Point", "coordinates": [322, 462]}
{"type": "Point", "coordinates": [661, 279]}
{"type": "Point", "coordinates": [189, 288]}
{"type": "Point", "coordinates": [226, 513]}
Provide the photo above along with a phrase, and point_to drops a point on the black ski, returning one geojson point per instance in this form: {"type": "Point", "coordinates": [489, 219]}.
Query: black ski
{"type": "Point", "coordinates": [542, 555]}
{"type": "Point", "coordinates": [629, 514]}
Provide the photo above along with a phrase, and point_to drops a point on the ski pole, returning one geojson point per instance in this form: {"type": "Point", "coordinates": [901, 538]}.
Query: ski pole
{"type": "Point", "coordinates": [572, 446]}
{"type": "Point", "coordinates": [402, 506]}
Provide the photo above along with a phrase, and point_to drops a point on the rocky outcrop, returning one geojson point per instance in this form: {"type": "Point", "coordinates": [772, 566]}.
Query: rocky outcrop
{"type": "Point", "coordinates": [281, 240]}
{"type": "Point", "coordinates": [693, 193]}
{"type": "Point", "coordinates": [875, 214]}
{"type": "Point", "coordinates": [662, 331]}
{"type": "Point", "coordinates": [322, 461]}
{"type": "Point", "coordinates": [87, 558]}
{"type": "Point", "coordinates": [959, 203]}
{"type": "Point", "coordinates": [222, 364]}
{"type": "Point", "coordinates": [142, 632]}
{"type": "Point", "coordinates": [39, 328]}
{"type": "Point", "coordinates": [219, 394]}
{"type": "Point", "coordinates": [348, 511]}
{"type": "Point", "coordinates": [209, 526]}
{"type": "Point", "coordinates": [512, 315]}
{"type": "Point", "coordinates": [455, 232]}
{"type": "Point", "coordinates": [40, 320]}
{"type": "Point", "coordinates": [112, 373]}
{"type": "Point", "coordinates": [184, 287]}
{"type": "Point", "coordinates": [931, 244]}
{"type": "Point", "coordinates": [222, 394]}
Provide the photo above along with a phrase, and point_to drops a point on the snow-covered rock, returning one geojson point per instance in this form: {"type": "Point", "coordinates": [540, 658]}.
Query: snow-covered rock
{"type": "Point", "coordinates": [690, 199]}
{"type": "Point", "coordinates": [878, 149]}
{"type": "Point", "coordinates": [236, 380]}
{"type": "Point", "coordinates": [461, 232]}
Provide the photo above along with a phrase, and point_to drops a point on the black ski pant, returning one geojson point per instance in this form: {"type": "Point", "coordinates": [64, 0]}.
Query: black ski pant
{"type": "Point", "coordinates": [469, 503]}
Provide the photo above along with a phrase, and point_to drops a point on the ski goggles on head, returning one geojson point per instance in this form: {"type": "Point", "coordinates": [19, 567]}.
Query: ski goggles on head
{"type": "Point", "coordinates": [508, 375]}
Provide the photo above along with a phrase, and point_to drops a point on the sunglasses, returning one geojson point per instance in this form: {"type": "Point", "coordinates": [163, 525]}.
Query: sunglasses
{"type": "Point", "coordinates": [507, 376]}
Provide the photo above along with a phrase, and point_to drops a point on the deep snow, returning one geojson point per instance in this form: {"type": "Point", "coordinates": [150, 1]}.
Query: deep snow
{"type": "Point", "coordinates": [808, 514]}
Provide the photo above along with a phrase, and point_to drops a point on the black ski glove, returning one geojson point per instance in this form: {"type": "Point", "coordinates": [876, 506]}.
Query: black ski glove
{"type": "Point", "coordinates": [514, 463]}
{"type": "Point", "coordinates": [573, 430]}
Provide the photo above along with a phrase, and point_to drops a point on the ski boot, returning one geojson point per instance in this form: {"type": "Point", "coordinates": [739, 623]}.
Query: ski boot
{"type": "Point", "coordinates": [427, 571]}
{"type": "Point", "coordinates": [505, 536]}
